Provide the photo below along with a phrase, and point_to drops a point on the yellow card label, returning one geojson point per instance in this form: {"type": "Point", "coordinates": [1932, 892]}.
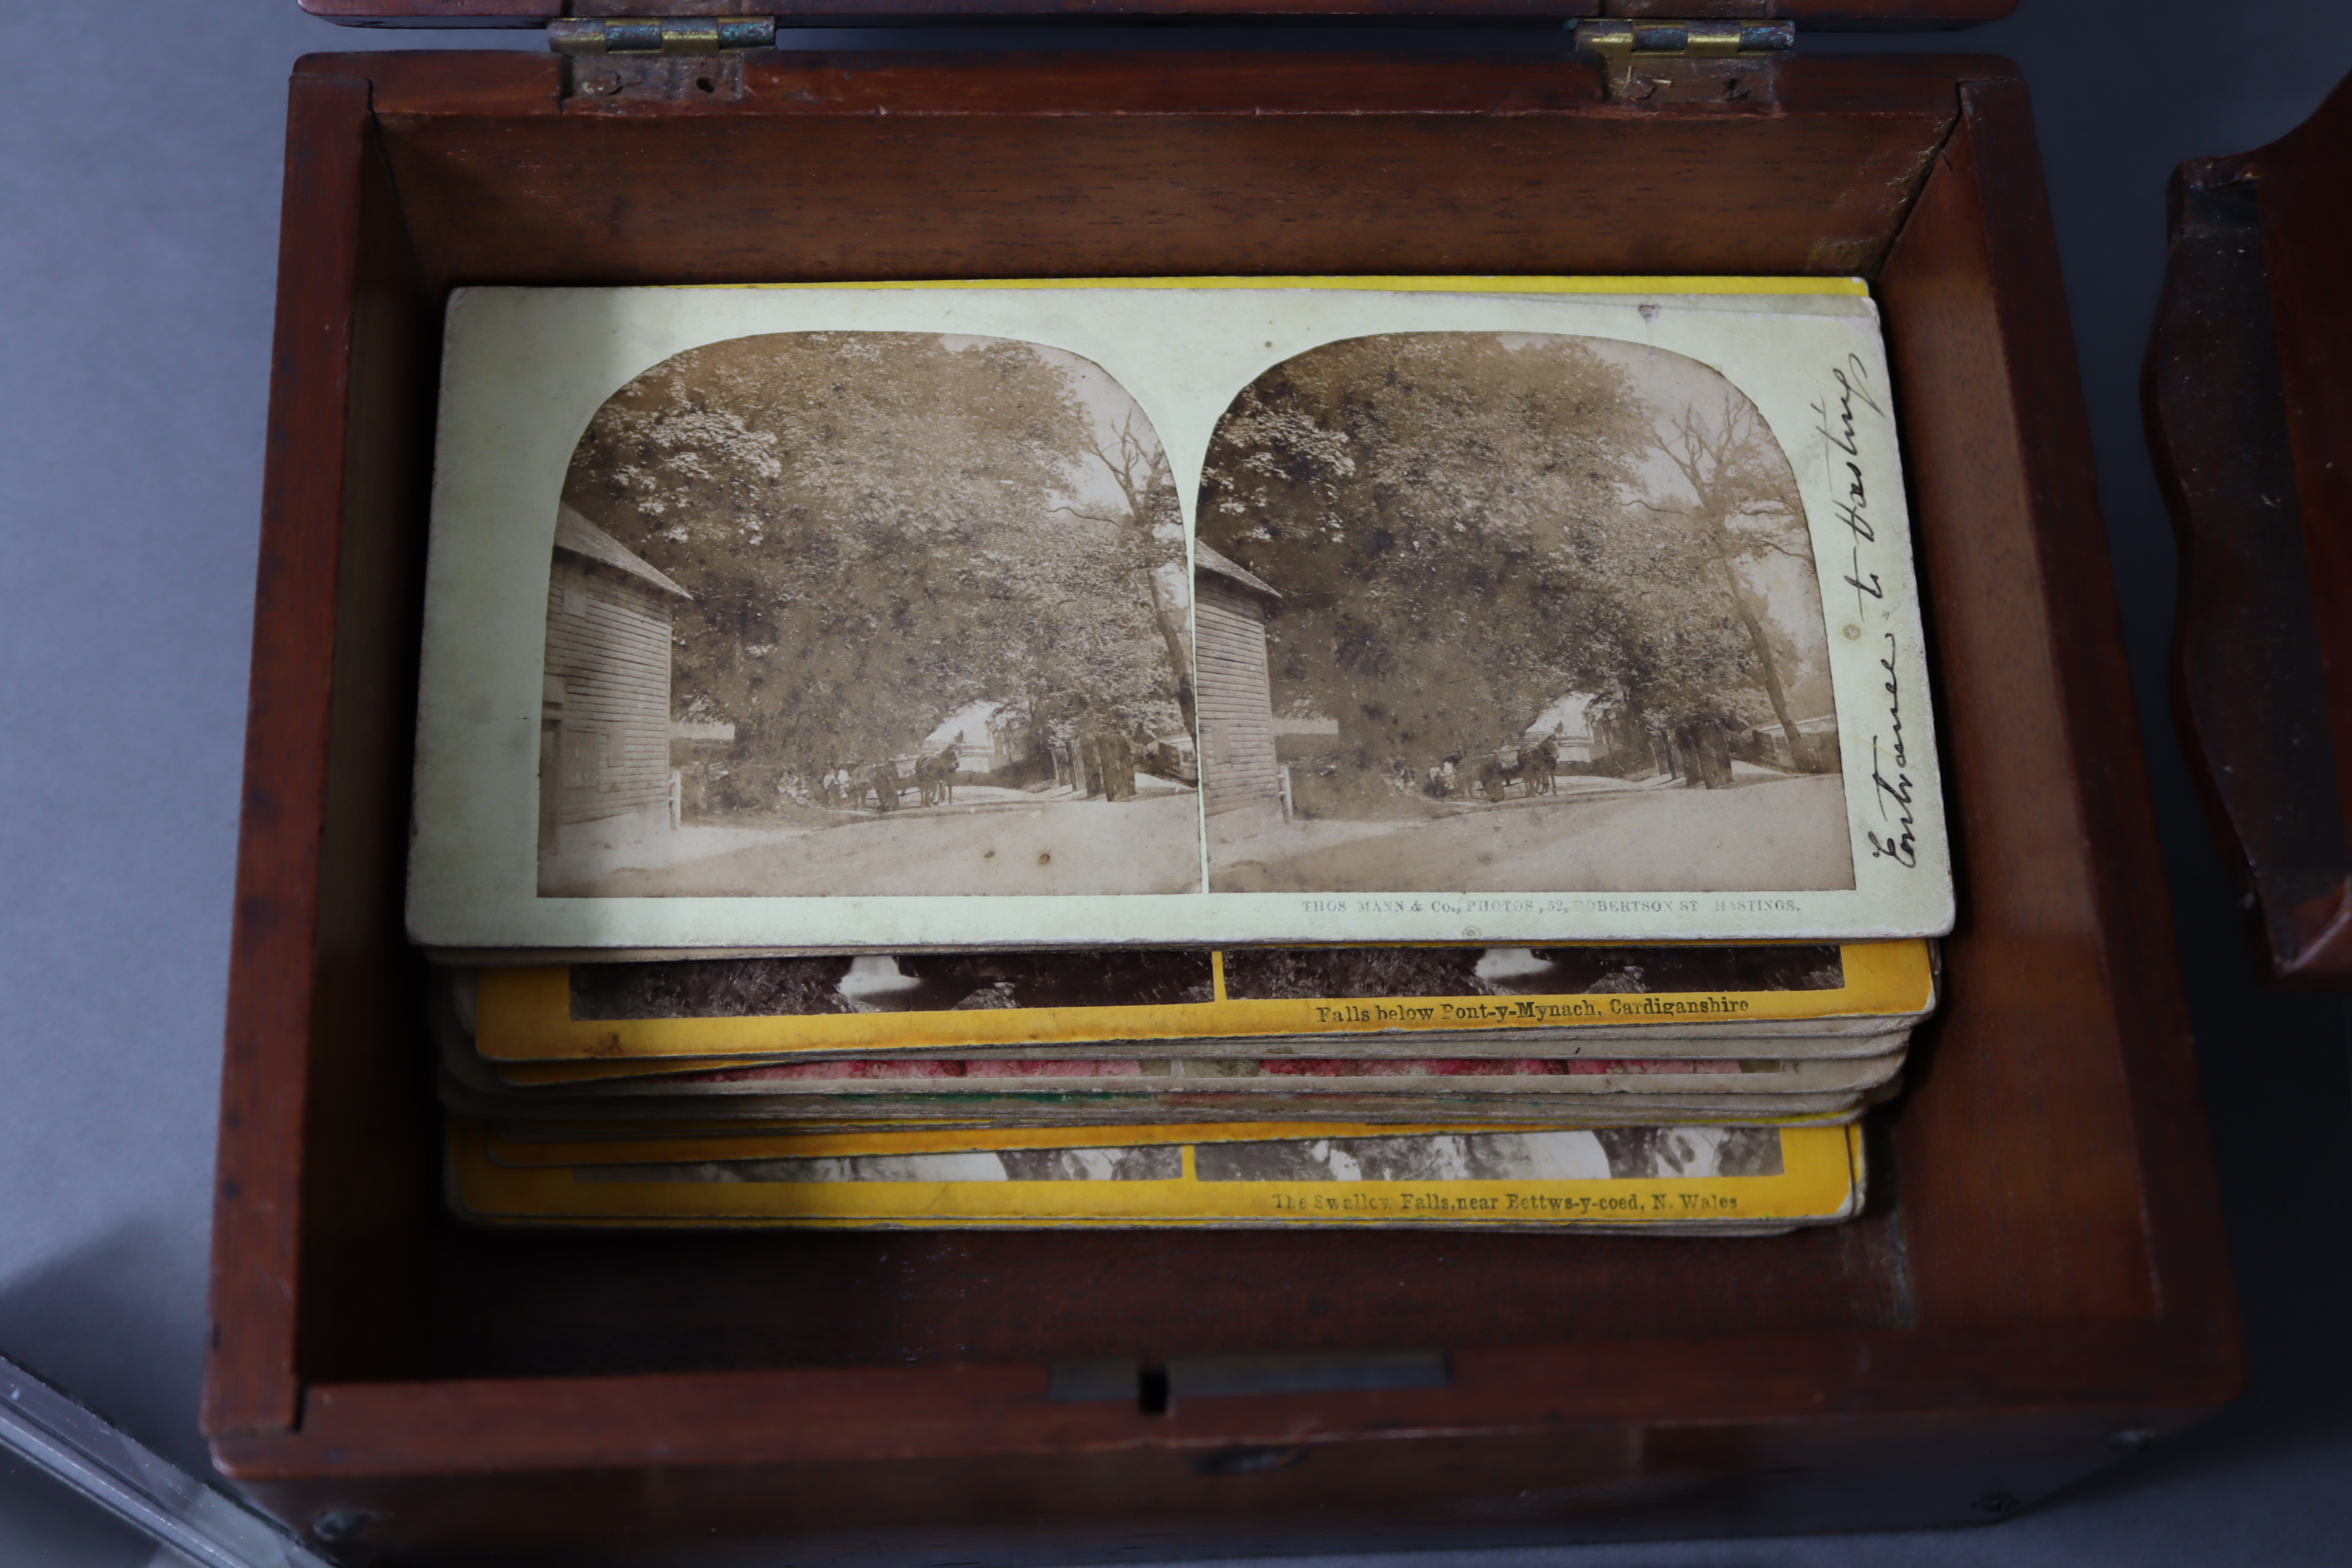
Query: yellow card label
{"type": "Point", "coordinates": [1807, 1175]}
{"type": "Point", "coordinates": [524, 1014]}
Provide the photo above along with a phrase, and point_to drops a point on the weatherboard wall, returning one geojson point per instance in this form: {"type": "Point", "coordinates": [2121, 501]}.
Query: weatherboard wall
{"type": "Point", "coordinates": [608, 641]}
{"type": "Point", "coordinates": [1236, 699]}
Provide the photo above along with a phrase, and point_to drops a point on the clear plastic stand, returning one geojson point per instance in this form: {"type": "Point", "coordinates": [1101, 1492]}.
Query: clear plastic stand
{"type": "Point", "coordinates": [81, 1449]}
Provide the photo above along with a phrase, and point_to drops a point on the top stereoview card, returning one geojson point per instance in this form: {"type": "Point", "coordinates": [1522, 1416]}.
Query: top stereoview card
{"type": "Point", "coordinates": [1192, 611]}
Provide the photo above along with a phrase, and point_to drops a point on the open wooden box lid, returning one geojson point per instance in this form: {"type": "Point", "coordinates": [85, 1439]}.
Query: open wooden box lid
{"type": "Point", "coordinates": [1860, 14]}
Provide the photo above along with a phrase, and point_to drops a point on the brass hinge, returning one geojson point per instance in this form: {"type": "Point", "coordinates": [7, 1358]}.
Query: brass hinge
{"type": "Point", "coordinates": [623, 62]}
{"type": "Point", "coordinates": [661, 36]}
{"type": "Point", "coordinates": [1721, 63]}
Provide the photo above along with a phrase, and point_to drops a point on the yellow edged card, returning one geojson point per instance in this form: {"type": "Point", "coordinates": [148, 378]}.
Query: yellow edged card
{"type": "Point", "coordinates": [1544, 1178]}
{"type": "Point", "coordinates": [526, 1014]}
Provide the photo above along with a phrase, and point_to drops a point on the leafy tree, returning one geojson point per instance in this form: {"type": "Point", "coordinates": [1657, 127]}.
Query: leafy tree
{"type": "Point", "coordinates": [1154, 524]}
{"type": "Point", "coordinates": [1740, 506]}
{"type": "Point", "coordinates": [877, 530]}
{"type": "Point", "coordinates": [1447, 518]}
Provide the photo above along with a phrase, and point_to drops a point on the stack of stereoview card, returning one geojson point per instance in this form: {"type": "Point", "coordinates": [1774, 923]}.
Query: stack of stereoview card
{"type": "Point", "coordinates": [1316, 751]}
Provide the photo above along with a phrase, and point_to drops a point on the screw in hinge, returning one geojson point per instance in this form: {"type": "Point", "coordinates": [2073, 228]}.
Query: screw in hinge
{"type": "Point", "coordinates": [1689, 39]}
{"type": "Point", "coordinates": [339, 1525]}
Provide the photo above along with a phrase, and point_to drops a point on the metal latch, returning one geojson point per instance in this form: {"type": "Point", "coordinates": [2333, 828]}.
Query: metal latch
{"type": "Point", "coordinates": [1721, 63]}
{"type": "Point", "coordinates": [661, 36]}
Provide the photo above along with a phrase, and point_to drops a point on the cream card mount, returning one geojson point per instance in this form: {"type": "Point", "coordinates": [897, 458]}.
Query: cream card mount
{"type": "Point", "coordinates": [820, 618]}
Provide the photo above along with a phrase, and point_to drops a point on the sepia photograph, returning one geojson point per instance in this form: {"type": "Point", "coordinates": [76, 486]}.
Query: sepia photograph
{"type": "Point", "coordinates": [868, 613]}
{"type": "Point", "coordinates": [889, 983]}
{"type": "Point", "coordinates": [1276, 972]}
{"type": "Point", "coordinates": [1147, 1163]}
{"type": "Point", "coordinates": [1510, 612]}
{"type": "Point", "coordinates": [1113, 977]}
{"type": "Point", "coordinates": [1084, 614]}
{"type": "Point", "coordinates": [1600, 1155]}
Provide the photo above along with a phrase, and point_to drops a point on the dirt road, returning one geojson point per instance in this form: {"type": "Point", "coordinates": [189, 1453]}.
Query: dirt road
{"type": "Point", "coordinates": [1146, 846]}
{"type": "Point", "coordinates": [1781, 834]}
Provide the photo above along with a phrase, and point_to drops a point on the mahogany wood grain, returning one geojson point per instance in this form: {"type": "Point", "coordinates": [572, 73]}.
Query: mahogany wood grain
{"type": "Point", "coordinates": [2043, 1266]}
{"type": "Point", "coordinates": [370, 1125]}
{"type": "Point", "coordinates": [1402, 1491]}
{"type": "Point", "coordinates": [2255, 303]}
{"type": "Point", "coordinates": [2107, 756]}
{"type": "Point", "coordinates": [2044, 759]}
{"type": "Point", "coordinates": [1529, 1443]}
{"type": "Point", "coordinates": [251, 1384]}
{"type": "Point", "coordinates": [2306, 210]}
{"type": "Point", "coordinates": [521, 1305]}
{"type": "Point", "coordinates": [331, 1246]}
{"type": "Point", "coordinates": [2250, 683]}
{"type": "Point", "coordinates": [528, 13]}
{"type": "Point", "coordinates": [864, 1413]}
{"type": "Point", "coordinates": [2126, 1026]}
{"type": "Point", "coordinates": [1236, 163]}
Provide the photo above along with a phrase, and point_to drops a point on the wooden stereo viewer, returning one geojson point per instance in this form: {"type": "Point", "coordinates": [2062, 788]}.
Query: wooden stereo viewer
{"type": "Point", "coordinates": [2249, 422]}
{"type": "Point", "coordinates": [2039, 1284]}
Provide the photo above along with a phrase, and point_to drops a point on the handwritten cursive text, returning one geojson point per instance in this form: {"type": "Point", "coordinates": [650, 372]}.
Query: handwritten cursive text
{"type": "Point", "coordinates": [1893, 796]}
{"type": "Point", "coordinates": [1852, 507]}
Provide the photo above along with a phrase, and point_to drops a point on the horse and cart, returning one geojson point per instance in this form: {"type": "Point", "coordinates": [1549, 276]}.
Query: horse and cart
{"type": "Point", "coordinates": [882, 786]}
{"type": "Point", "coordinates": [1490, 775]}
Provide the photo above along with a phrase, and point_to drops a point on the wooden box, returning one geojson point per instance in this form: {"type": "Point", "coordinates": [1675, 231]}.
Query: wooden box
{"type": "Point", "coordinates": [2039, 1284]}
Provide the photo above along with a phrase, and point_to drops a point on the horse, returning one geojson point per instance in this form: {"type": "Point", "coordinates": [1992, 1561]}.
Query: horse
{"type": "Point", "coordinates": [935, 776]}
{"type": "Point", "coordinates": [1543, 760]}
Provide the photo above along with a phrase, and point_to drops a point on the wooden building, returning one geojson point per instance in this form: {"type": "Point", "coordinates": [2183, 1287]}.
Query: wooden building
{"type": "Point", "coordinates": [604, 729]}
{"type": "Point", "coordinates": [981, 734]}
{"type": "Point", "coordinates": [1235, 702]}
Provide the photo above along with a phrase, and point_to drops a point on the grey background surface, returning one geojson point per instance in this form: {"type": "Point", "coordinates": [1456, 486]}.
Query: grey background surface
{"type": "Point", "coordinates": [140, 157]}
